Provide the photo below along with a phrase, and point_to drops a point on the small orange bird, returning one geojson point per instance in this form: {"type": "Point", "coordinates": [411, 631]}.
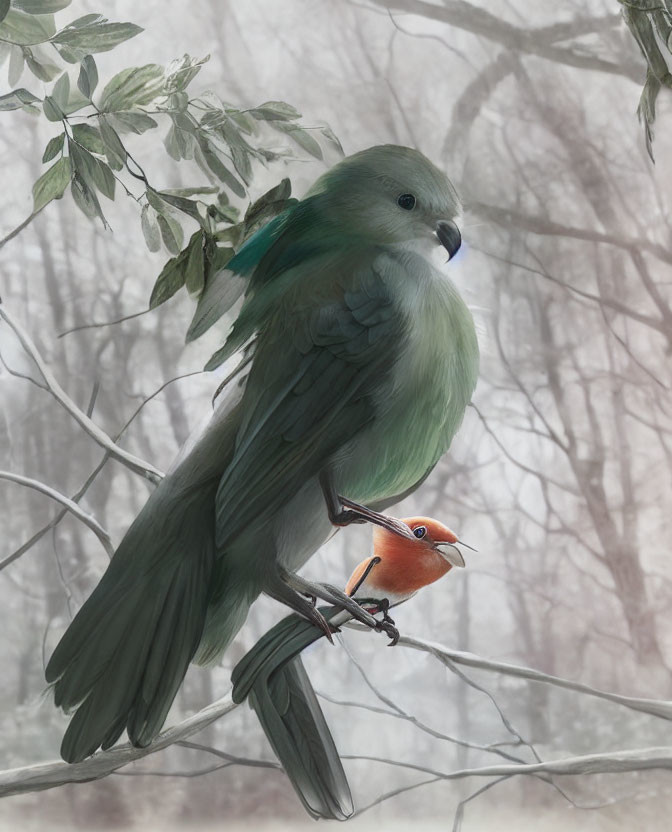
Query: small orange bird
{"type": "Point", "coordinates": [273, 675]}
{"type": "Point", "coordinates": [400, 567]}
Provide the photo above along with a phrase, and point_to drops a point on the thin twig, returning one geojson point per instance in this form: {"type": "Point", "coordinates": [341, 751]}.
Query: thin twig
{"type": "Point", "coordinates": [98, 324]}
{"type": "Point", "coordinates": [19, 228]}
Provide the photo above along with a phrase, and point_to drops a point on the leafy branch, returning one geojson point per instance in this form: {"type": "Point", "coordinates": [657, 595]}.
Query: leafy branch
{"type": "Point", "coordinates": [90, 154]}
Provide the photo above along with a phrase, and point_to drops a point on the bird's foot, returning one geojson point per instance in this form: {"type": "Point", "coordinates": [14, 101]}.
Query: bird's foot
{"type": "Point", "coordinates": [282, 590]}
{"type": "Point", "coordinates": [386, 624]}
{"type": "Point", "coordinates": [330, 594]}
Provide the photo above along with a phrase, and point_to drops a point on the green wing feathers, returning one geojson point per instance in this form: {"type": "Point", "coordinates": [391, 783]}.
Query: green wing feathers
{"type": "Point", "coordinates": [311, 388]}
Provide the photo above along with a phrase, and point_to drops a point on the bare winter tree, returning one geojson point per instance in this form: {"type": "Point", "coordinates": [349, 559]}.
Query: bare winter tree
{"type": "Point", "coordinates": [546, 665]}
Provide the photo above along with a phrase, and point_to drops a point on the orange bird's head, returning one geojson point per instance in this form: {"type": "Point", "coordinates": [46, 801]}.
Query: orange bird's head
{"type": "Point", "coordinates": [430, 534]}
{"type": "Point", "coordinates": [400, 566]}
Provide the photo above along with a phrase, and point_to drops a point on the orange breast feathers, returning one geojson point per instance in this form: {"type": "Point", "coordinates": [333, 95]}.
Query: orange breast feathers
{"type": "Point", "coordinates": [405, 565]}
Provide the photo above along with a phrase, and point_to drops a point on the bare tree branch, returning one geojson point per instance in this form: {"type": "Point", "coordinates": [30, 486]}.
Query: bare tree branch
{"type": "Point", "coordinates": [49, 775]}
{"type": "Point", "coordinates": [654, 707]}
{"type": "Point", "coordinates": [131, 461]}
{"type": "Point", "coordinates": [509, 217]}
{"type": "Point", "coordinates": [71, 506]}
{"type": "Point", "coordinates": [53, 774]}
{"type": "Point", "coordinates": [608, 762]}
{"type": "Point", "coordinates": [480, 22]}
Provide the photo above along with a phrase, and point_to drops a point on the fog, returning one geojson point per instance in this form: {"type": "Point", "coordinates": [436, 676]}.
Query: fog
{"type": "Point", "coordinates": [560, 475]}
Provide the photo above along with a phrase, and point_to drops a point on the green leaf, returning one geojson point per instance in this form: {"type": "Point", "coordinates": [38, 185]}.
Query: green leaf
{"type": "Point", "coordinates": [187, 206]}
{"type": "Point", "coordinates": [52, 184]}
{"type": "Point", "coordinates": [17, 99]}
{"type": "Point", "coordinates": [155, 201]}
{"type": "Point", "coordinates": [180, 72]}
{"type": "Point", "coordinates": [41, 6]}
{"type": "Point", "coordinates": [244, 122]}
{"type": "Point", "coordinates": [88, 76]}
{"type": "Point", "coordinates": [96, 36]}
{"type": "Point", "coordinates": [51, 109]}
{"type": "Point", "coordinates": [219, 293]}
{"type": "Point", "coordinates": [274, 111]}
{"type": "Point", "coordinates": [280, 193]}
{"type": "Point", "coordinates": [61, 91]}
{"type": "Point", "coordinates": [16, 64]}
{"type": "Point", "coordinates": [150, 228]}
{"type": "Point", "coordinates": [241, 162]}
{"type": "Point", "coordinates": [115, 150]}
{"type": "Point", "coordinates": [172, 278]}
{"type": "Point", "coordinates": [132, 87]}
{"type": "Point", "coordinates": [218, 358]}
{"type": "Point", "coordinates": [89, 137]}
{"type": "Point", "coordinates": [42, 69]}
{"type": "Point", "coordinates": [27, 29]}
{"type": "Point", "coordinates": [331, 137]}
{"type": "Point", "coordinates": [203, 189]}
{"type": "Point", "coordinates": [86, 20]}
{"type": "Point", "coordinates": [53, 148]}
{"type": "Point", "coordinates": [85, 199]}
{"type": "Point", "coordinates": [171, 233]}
{"type": "Point", "coordinates": [194, 271]}
{"type": "Point", "coordinates": [4, 8]}
{"type": "Point", "coordinates": [178, 101]}
{"type": "Point", "coordinates": [301, 137]}
{"type": "Point", "coordinates": [133, 122]}
{"type": "Point", "coordinates": [214, 164]}
{"type": "Point", "coordinates": [233, 235]}
{"type": "Point", "coordinates": [171, 144]}
{"type": "Point", "coordinates": [93, 172]}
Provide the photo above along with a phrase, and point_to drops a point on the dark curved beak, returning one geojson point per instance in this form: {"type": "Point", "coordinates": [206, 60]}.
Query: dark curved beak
{"type": "Point", "coordinates": [449, 237]}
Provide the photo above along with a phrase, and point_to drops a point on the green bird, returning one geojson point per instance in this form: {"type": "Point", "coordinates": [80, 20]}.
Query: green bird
{"type": "Point", "coordinates": [362, 360]}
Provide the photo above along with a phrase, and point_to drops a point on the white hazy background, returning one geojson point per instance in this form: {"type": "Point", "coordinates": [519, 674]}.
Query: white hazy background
{"type": "Point", "coordinates": [560, 474]}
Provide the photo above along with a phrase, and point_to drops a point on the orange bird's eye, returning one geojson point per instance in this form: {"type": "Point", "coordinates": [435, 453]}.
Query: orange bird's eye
{"type": "Point", "coordinates": [420, 532]}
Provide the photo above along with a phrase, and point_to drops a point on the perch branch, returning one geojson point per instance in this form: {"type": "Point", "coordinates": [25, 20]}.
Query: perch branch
{"type": "Point", "coordinates": [654, 707]}
{"type": "Point", "coordinates": [49, 775]}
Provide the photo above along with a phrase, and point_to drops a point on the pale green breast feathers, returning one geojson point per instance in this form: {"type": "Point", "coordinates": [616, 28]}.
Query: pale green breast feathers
{"type": "Point", "coordinates": [421, 405]}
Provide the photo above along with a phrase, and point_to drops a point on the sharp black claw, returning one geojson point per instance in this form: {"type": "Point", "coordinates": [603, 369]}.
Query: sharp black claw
{"type": "Point", "coordinates": [387, 627]}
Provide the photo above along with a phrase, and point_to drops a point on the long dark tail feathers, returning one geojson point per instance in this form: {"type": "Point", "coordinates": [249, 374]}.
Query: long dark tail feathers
{"type": "Point", "coordinates": [293, 721]}
{"type": "Point", "coordinates": [123, 658]}
{"type": "Point", "coordinates": [273, 676]}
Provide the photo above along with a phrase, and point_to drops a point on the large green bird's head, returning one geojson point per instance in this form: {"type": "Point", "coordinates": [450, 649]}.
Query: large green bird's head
{"type": "Point", "coordinates": [390, 194]}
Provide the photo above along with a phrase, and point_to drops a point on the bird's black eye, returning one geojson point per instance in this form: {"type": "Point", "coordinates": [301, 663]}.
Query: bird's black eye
{"type": "Point", "coordinates": [420, 532]}
{"type": "Point", "coordinates": [406, 201]}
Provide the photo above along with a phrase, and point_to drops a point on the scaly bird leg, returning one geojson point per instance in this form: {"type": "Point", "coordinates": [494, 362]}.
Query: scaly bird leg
{"type": "Point", "coordinates": [343, 511]}
{"type": "Point", "coordinates": [330, 594]}
{"type": "Point", "coordinates": [283, 592]}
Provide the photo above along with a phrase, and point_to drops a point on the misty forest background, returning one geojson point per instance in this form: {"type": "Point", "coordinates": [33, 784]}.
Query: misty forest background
{"type": "Point", "coordinates": [560, 475]}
